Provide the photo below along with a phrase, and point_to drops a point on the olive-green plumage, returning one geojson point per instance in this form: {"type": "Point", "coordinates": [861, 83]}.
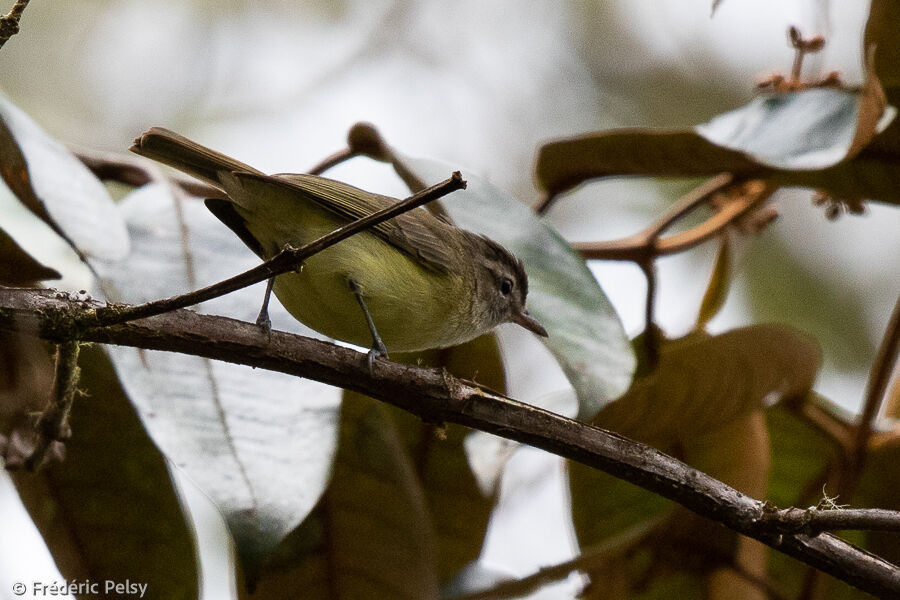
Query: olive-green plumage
{"type": "Point", "coordinates": [426, 283]}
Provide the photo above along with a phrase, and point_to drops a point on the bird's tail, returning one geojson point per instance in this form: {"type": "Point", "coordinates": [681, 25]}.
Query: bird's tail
{"type": "Point", "coordinates": [186, 155]}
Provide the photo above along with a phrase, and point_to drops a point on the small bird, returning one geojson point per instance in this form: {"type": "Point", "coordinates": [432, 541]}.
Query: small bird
{"type": "Point", "coordinates": [411, 283]}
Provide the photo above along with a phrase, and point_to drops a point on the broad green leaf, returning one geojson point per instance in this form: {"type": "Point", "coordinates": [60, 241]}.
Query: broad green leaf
{"type": "Point", "coordinates": [18, 268]}
{"type": "Point", "coordinates": [258, 443]}
{"type": "Point", "coordinates": [604, 506]}
{"type": "Point", "coordinates": [58, 188]}
{"type": "Point", "coordinates": [110, 510]}
{"type": "Point", "coordinates": [691, 547]}
{"type": "Point", "coordinates": [586, 335]}
{"type": "Point", "coordinates": [370, 535]}
{"type": "Point", "coordinates": [616, 583]}
{"type": "Point", "coordinates": [703, 382]}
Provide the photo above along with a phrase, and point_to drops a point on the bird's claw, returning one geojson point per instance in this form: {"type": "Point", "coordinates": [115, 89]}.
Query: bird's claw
{"type": "Point", "coordinates": [377, 351]}
{"type": "Point", "coordinates": [265, 324]}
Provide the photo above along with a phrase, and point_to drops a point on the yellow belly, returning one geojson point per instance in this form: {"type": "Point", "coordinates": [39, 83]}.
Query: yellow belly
{"type": "Point", "coordinates": [413, 308]}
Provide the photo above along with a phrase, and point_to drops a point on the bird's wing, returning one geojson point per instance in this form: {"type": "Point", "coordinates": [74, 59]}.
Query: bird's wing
{"type": "Point", "coordinates": [417, 233]}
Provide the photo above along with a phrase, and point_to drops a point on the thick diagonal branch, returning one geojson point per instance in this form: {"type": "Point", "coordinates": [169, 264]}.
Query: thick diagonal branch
{"type": "Point", "coordinates": [437, 396]}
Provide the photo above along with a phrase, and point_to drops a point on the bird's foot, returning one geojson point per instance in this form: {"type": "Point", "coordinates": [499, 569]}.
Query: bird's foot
{"type": "Point", "coordinates": [377, 351]}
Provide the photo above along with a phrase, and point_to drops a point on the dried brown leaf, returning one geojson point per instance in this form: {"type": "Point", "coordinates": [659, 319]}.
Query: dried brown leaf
{"type": "Point", "coordinates": [717, 288]}
{"type": "Point", "coordinates": [18, 268]}
{"type": "Point", "coordinates": [370, 536]}
{"type": "Point", "coordinates": [703, 383]}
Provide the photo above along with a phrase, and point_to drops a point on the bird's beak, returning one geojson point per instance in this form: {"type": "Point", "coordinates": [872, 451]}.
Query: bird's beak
{"type": "Point", "coordinates": [528, 322]}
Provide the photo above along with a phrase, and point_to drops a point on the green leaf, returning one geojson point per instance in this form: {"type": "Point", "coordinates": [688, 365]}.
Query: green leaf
{"type": "Point", "coordinates": [370, 535]}
{"type": "Point", "coordinates": [57, 187]}
{"type": "Point", "coordinates": [18, 268]}
{"type": "Point", "coordinates": [737, 453]}
{"type": "Point", "coordinates": [258, 443]}
{"type": "Point", "coordinates": [586, 335]}
{"type": "Point", "coordinates": [604, 506]}
{"type": "Point", "coordinates": [110, 510]}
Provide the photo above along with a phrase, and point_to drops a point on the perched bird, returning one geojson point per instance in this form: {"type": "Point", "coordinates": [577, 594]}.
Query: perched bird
{"type": "Point", "coordinates": [411, 283]}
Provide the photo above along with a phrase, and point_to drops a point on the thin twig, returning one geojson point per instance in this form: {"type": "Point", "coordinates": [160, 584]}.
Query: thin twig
{"type": "Point", "coordinates": [814, 520]}
{"type": "Point", "coordinates": [9, 25]}
{"type": "Point", "coordinates": [636, 248]}
{"type": "Point", "coordinates": [365, 140]}
{"type": "Point", "coordinates": [544, 204]}
{"type": "Point", "coordinates": [876, 389]}
{"type": "Point", "coordinates": [287, 260]}
{"type": "Point", "coordinates": [333, 161]}
{"type": "Point", "coordinates": [652, 335]}
{"type": "Point", "coordinates": [694, 199]}
{"type": "Point", "coordinates": [437, 396]}
{"type": "Point", "coordinates": [589, 561]}
{"type": "Point", "coordinates": [53, 424]}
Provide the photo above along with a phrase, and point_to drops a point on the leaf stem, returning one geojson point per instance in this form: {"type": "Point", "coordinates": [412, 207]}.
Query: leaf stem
{"type": "Point", "coordinates": [637, 247]}
{"type": "Point", "coordinates": [879, 378]}
{"type": "Point", "coordinates": [53, 425]}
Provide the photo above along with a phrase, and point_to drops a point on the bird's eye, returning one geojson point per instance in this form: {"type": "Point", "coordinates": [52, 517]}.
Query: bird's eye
{"type": "Point", "coordinates": [506, 287]}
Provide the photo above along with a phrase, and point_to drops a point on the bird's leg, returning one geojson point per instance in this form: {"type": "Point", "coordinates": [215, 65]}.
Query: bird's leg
{"type": "Point", "coordinates": [378, 349]}
{"type": "Point", "coordinates": [262, 320]}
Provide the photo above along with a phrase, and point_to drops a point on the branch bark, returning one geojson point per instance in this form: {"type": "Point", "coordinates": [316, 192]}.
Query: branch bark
{"type": "Point", "coordinates": [437, 396]}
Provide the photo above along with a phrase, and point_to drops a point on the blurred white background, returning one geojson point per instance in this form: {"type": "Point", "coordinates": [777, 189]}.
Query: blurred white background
{"type": "Point", "coordinates": [277, 84]}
